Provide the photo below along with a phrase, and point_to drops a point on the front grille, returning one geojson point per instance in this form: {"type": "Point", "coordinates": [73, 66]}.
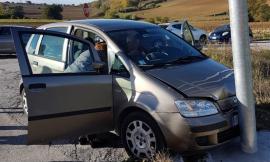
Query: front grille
{"type": "Point", "coordinates": [228, 134]}
{"type": "Point", "coordinates": [228, 104]}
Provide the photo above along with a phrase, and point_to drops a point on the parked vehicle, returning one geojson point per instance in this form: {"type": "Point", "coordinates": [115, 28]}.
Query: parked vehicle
{"type": "Point", "coordinates": [145, 83]}
{"type": "Point", "coordinates": [6, 41]}
{"type": "Point", "coordinates": [176, 27]}
{"type": "Point", "coordinates": [222, 34]}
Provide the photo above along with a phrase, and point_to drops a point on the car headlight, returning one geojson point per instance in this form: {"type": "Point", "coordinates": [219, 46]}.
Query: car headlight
{"type": "Point", "coordinates": [196, 108]}
{"type": "Point", "coordinates": [225, 33]}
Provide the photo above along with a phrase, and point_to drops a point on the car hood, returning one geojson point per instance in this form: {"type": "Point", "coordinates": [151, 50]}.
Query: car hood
{"type": "Point", "coordinates": [205, 78]}
{"type": "Point", "coordinates": [218, 32]}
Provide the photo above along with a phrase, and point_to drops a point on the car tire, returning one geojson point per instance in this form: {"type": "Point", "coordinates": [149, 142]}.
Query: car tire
{"type": "Point", "coordinates": [24, 102]}
{"type": "Point", "coordinates": [203, 40]}
{"type": "Point", "coordinates": [141, 136]}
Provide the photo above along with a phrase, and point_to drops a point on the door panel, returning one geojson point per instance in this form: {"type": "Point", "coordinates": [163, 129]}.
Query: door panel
{"type": "Point", "coordinates": [63, 103]}
{"type": "Point", "coordinates": [187, 34]}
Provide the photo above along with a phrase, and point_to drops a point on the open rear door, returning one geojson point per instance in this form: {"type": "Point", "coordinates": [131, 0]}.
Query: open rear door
{"type": "Point", "coordinates": [65, 95]}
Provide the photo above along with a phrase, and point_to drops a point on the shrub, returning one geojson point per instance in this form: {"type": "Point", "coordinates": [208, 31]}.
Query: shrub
{"type": "Point", "coordinates": [259, 10]}
{"type": "Point", "coordinates": [53, 12]}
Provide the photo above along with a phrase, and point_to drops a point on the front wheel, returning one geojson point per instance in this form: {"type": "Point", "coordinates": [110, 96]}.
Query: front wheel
{"type": "Point", "coordinates": [203, 40]}
{"type": "Point", "coordinates": [24, 102]}
{"type": "Point", "coordinates": [141, 136]}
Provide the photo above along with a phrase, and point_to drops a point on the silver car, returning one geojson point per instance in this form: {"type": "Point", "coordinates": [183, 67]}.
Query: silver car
{"type": "Point", "coordinates": [148, 85]}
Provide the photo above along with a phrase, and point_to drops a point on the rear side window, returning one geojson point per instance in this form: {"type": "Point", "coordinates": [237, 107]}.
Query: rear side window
{"type": "Point", "coordinates": [59, 29]}
{"type": "Point", "coordinates": [51, 47]}
{"type": "Point", "coordinates": [5, 32]}
{"type": "Point", "coordinates": [164, 26]}
{"type": "Point", "coordinates": [31, 48]}
{"type": "Point", "coordinates": [177, 26]}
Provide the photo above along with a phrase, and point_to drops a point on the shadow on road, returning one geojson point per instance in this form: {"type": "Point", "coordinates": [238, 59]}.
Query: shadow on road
{"type": "Point", "coordinates": [13, 140]}
{"type": "Point", "coordinates": [10, 56]}
{"type": "Point", "coordinates": [105, 140]}
{"type": "Point", "coordinates": [13, 128]}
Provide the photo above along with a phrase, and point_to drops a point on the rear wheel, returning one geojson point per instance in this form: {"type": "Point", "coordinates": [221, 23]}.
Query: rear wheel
{"type": "Point", "coordinates": [24, 102]}
{"type": "Point", "coordinates": [141, 136]}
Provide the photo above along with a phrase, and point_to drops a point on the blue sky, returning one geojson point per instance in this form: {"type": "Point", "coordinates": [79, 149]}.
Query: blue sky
{"type": "Point", "coordinates": [52, 1]}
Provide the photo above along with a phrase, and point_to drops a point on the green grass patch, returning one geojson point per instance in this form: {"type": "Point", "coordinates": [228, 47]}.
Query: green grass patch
{"type": "Point", "coordinates": [27, 22]}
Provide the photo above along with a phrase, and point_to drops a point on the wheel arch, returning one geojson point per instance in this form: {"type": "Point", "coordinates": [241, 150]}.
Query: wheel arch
{"type": "Point", "coordinates": [203, 35]}
{"type": "Point", "coordinates": [133, 109]}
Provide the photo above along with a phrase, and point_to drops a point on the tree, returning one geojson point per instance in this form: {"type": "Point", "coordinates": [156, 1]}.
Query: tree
{"type": "Point", "coordinates": [1, 9]}
{"type": "Point", "coordinates": [259, 10]}
{"type": "Point", "coordinates": [16, 12]}
{"type": "Point", "coordinates": [53, 12]}
{"type": "Point", "coordinates": [28, 2]}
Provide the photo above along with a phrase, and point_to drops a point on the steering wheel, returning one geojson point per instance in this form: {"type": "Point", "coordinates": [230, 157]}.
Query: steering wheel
{"type": "Point", "coordinates": [155, 56]}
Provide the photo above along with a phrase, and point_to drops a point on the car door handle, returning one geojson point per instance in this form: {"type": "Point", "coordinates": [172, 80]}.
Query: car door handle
{"type": "Point", "coordinates": [35, 63]}
{"type": "Point", "coordinates": [37, 86]}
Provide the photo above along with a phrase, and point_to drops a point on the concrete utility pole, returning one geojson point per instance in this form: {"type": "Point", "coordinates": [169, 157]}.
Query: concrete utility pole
{"type": "Point", "coordinates": [243, 73]}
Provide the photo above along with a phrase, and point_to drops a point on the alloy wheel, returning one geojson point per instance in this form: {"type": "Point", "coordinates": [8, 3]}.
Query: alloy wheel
{"type": "Point", "coordinates": [141, 139]}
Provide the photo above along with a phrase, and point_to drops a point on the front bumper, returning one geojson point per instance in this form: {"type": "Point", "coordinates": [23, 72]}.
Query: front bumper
{"type": "Point", "coordinates": [189, 135]}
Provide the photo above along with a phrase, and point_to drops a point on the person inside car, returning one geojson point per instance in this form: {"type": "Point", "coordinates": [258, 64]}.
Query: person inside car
{"type": "Point", "coordinates": [133, 50]}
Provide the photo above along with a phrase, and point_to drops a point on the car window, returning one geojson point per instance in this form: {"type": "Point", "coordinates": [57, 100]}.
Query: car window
{"type": "Point", "coordinates": [5, 31]}
{"type": "Point", "coordinates": [177, 26]}
{"type": "Point", "coordinates": [49, 57]}
{"type": "Point", "coordinates": [164, 26]}
{"type": "Point", "coordinates": [52, 47]}
{"type": "Point", "coordinates": [98, 42]}
{"type": "Point", "coordinates": [118, 67]}
{"type": "Point", "coordinates": [32, 44]}
{"type": "Point", "coordinates": [59, 29]}
{"type": "Point", "coordinates": [187, 35]}
{"type": "Point", "coordinates": [152, 46]}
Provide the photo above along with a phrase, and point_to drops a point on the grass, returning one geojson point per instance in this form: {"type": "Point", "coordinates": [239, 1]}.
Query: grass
{"type": "Point", "coordinates": [26, 22]}
{"type": "Point", "coordinates": [261, 79]}
{"type": "Point", "coordinates": [184, 9]}
{"type": "Point", "coordinates": [261, 86]}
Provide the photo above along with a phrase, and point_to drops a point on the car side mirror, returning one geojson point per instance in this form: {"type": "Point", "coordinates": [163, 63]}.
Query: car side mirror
{"type": "Point", "coordinates": [98, 66]}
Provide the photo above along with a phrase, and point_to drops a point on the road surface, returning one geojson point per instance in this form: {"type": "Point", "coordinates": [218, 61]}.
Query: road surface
{"type": "Point", "coordinates": [13, 134]}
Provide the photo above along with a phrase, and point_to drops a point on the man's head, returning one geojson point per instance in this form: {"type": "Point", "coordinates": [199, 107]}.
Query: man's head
{"type": "Point", "coordinates": [133, 41]}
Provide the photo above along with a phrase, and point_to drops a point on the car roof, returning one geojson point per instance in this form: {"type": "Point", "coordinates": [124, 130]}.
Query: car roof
{"type": "Point", "coordinates": [9, 26]}
{"type": "Point", "coordinates": [114, 24]}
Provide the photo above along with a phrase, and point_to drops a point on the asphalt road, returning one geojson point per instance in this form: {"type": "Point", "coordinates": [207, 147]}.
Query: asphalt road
{"type": "Point", "coordinates": [255, 45]}
{"type": "Point", "coordinates": [13, 130]}
{"type": "Point", "coordinates": [13, 134]}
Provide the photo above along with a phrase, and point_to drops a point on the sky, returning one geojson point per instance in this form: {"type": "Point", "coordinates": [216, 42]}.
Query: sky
{"type": "Point", "coordinates": [52, 1]}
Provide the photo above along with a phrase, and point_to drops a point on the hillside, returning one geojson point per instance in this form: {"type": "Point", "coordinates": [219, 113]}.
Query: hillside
{"type": "Point", "coordinates": [194, 9]}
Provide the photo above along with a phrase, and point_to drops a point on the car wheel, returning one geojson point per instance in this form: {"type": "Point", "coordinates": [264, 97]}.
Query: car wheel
{"type": "Point", "coordinates": [203, 40]}
{"type": "Point", "coordinates": [24, 102]}
{"type": "Point", "coordinates": [141, 136]}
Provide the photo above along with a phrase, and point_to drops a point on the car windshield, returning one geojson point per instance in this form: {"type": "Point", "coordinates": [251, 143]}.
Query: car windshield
{"type": "Point", "coordinates": [223, 28]}
{"type": "Point", "coordinates": [154, 46]}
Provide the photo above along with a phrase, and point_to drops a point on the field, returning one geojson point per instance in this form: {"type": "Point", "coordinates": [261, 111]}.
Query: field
{"type": "Point", "coordinates": [261, 79]}
{"type": "Point", "coordinates": [187, 9]}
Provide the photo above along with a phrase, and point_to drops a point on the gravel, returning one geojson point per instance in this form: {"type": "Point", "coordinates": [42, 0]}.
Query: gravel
{"type": "Point", "coordinates": [13, 129]}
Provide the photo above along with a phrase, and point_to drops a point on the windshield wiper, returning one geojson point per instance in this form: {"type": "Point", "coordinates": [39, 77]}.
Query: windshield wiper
{"type": "Point", "coordinates": [151, 66]}
{"type": "Point", "coordinates": [172, 62]}
{"type": "Point", "coordinates": [187, 59]}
